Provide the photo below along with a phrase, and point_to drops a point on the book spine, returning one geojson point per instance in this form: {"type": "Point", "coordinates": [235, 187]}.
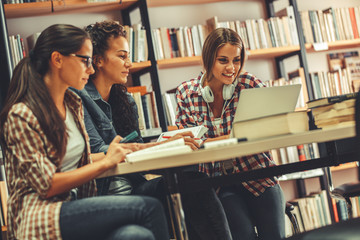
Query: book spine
{"type": "Point", "coordinates": [301, 152]}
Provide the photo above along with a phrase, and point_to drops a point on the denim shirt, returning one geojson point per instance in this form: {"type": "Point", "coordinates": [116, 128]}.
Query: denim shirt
{"type": "Point", "coordinates": [100, 128]}
{"type": "Point", "coordinates": [98, 118]}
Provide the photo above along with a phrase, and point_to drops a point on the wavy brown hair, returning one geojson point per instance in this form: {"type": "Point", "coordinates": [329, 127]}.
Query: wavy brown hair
{"type": "Point", "coordinates": [123, 115]}
{"type": "Point", "coordinates": [27, 84]}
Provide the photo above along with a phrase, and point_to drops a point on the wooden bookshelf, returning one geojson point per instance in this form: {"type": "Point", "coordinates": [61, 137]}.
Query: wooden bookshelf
{"type": "Point", "coordinates": [179, 62]}
{"type": "Point", "coordinates": [60, 7]}
{"type": "Point", "coordinates": [337, 45]}
{"type": "Point", "coordinates": [272, 52]}
{"type": "Point", "coordinates": [252, 54]}
{"type": "Point", "coordinates": [161, 3]}
{"type": "Point", "coordinates": [138, 66]}
{"type": "Point", "coordinates": [344, 166]}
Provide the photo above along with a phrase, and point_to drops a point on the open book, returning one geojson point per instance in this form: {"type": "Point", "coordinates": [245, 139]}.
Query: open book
{"type": "Point", "coordinates": [197, 131]}
{"type": "Point", "coordinates": [170, 148]}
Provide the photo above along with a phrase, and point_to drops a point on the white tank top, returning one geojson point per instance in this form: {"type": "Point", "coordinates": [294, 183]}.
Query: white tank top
{"type": "Point", "coordinates": [75, 145]}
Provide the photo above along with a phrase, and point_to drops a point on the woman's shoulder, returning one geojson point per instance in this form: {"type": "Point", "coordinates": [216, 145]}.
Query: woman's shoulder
{"type": "Point", "coordinates": [249, 80]}
{"type": "Point", "coordinates": [191, 85]}
{"type": "Point", "coordinates": [20, 112]}
{"type": "Point", "coordinates": [21, 109]}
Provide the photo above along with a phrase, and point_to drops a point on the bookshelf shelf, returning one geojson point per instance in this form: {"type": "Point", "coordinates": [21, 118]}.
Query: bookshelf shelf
{"type": "Point", "coordinates": [336, 45]}
{"type": "Point", "coordinates": [161, 3]}
{"type": "Point", "coordinates": [344, 166]}
{"type": "Point", "coordinates": [272, 52]}
{"type": "Point", "coordinates": [138, 66]}
{"type": "Point", "coordinates": [179, 62]}
{"type": "Point", "coordinates": [252, 54]}
{"type": "Point", "coordinates": [60, 7]}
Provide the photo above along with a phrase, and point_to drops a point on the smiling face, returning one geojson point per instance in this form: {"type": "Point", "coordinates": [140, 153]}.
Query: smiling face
{"type": "Point", "coordinates": [76, 72]}
{"type": "Point", "coordinates": [115, 65]}
{"type": "Point", "coordinates": [227, 64]}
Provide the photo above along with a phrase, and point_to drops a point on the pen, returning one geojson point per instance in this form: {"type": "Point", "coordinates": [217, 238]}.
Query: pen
{"type": "Point", "coordinates": [129, 137]}
{"type": "Point", "coordinates": [222, 143]}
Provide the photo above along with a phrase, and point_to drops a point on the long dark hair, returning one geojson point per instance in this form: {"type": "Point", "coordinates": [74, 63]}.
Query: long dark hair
{"type": "Point", "coordinates": [216, 39]}
{"type": "Point", "coordinates": [27, 84]}
{"type": "Point", "coordinates": [123, 115]}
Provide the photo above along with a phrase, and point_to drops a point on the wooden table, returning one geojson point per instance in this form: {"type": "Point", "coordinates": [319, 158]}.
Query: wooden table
{"type": "Point", "coordinates": [172, 165]}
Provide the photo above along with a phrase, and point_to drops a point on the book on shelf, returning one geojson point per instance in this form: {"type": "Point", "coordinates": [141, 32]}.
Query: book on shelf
{"type": "Point", "coordinates": [170, 107]}
{"type": "Point", "coordinates": [166, 42]}
{"type": "Point", "coordinates": [197, 131]}
{"type": "Point", "coordinates": [174, 43]}
{"type": "Point", "coordinates": [4, 197]}
{"type": "Point", "coordinates": [336, 61]}
{"type": "Point", "coordinates": [279, 124]}
{"type": "Point", "coordinates": [130, 39]}
{"type": "Point", "coordinates": [288, 13]}
{"type": "Point", "coordinates": [166, 149]}
{"type": "Point", "coordinates": [331, 100]}
{"type": "Point", "coordinates": [298, 77]}
{"type": "Point", "coordinates": [140, 44]}
{"type": "Point", "coordinates": [353, 64]}
{"type": "Point", "coordinates": [147, 110]}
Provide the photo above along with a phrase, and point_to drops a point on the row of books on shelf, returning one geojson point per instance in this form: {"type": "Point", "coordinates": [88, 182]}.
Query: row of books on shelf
{"type": "Point", "coordinates": [24, 1]}
{"type": "Point", "coordinates": [3, 192]}
{"type": "Point", "coordinates": [313, 211]}
{"type": "Point", "coordinates": [293, 154]}
{"type": "Point", "coordinates": [17, 49]}
{"type": "Point", "coordinates": [187, 41]}
{"type": "Point", "coordinates": [278, 31]}
{"type": "Point", "coordinates": [328, 84]}
{"type": "Point", "coordinates": [147, 110]}
{"type": "Point", "coordinates": [179, 42]}
{"type": "Point", "coordinates": [331, 24]}
{"type": "Point", "coordinates": [136, 36]}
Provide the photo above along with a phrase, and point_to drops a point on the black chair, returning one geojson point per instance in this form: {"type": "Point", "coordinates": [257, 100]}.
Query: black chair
{"type": "Point", "coordinates": [294, 223]}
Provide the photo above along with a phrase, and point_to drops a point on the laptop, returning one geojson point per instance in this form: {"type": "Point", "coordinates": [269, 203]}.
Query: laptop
{"type": "Point", "coordinates": [266, 101]}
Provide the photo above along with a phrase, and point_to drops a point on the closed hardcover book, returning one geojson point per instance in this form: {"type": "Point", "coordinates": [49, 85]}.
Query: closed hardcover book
{"type": "Point", "coordinates": [279, 124]}
{"type": "Point", "coordinates": [331, 100]}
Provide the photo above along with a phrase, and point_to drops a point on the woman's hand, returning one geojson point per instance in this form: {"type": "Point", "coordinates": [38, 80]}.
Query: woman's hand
{"type": "Point", "coordinates": [188, 138]}
{"type": "Point", "coordinates": [116, 152]}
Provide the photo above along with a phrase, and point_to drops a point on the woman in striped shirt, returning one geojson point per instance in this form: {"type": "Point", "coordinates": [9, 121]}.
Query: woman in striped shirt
{"type": "Point", "coordinates": [50, 170]}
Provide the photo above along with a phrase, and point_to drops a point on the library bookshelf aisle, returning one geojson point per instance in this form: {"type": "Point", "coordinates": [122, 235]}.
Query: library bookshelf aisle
{"type": "Point", "coordinates": [53, 12]}
{"type": "Point", "coordinates": [177, 184]}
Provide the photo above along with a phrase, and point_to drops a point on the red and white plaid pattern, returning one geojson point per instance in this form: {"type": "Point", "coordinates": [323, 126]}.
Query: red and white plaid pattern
{"type": "Point", "coordinates": [192, 110]}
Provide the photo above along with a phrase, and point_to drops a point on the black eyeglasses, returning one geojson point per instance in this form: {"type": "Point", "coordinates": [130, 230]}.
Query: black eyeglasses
{"type": "Point", "coordinates": [88, 61]}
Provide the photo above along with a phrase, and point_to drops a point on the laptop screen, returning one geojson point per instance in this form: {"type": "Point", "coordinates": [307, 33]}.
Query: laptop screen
{"type": "Point", "coordinates": [265, 101]}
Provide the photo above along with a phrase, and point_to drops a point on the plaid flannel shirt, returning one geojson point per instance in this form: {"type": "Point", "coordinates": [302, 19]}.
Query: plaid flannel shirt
{"type": "Point", "coordinates": [30, 165]}
{"type": "Point", "coordinates": [192, 110]}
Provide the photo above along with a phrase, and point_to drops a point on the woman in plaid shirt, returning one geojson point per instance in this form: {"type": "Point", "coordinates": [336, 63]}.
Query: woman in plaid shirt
{"type": "Point", "coordinates": [50, 171]}
{"type": "Point", "coordinates": [211, 100]}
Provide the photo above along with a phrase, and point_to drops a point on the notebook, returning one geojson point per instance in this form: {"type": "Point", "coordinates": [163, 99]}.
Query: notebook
{"type": "Point", "coordinates": [266, 101]}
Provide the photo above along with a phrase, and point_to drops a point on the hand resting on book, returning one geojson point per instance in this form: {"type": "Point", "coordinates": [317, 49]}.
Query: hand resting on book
{"type": "Point", "coordinates": [188, 138]}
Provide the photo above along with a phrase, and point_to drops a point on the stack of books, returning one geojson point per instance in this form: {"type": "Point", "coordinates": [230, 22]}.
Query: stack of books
{"type": "Point", "coordinates": [334, 111]}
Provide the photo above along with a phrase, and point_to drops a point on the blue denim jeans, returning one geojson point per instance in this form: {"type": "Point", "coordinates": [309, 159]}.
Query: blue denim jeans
{"type": "Point", "coordinates": [244, 211]}
{"type": "Point", "coordinates": [113, 217]}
